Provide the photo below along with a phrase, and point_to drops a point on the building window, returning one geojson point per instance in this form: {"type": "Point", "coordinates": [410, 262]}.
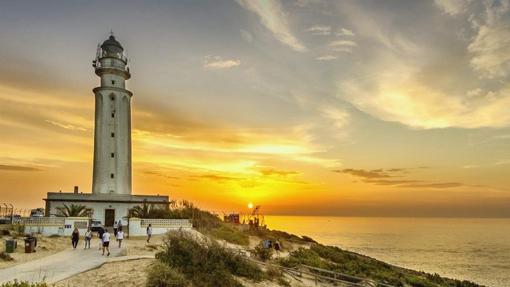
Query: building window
{"type": "Point", "coordinates": [113, 82]}
{"type": "Point", "coordinates": [112, 98]}
{"type": "Point", "coordinates": [113, 115]}
{"type": "Point", "coordinates": [113, 135]}
{"type": "Point", "coordinates": [112, 175]}
{"type": "Point", "coordinates": [112, 155]}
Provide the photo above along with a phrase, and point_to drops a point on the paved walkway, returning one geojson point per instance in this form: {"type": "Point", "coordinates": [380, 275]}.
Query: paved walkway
{"type": "Point", "coordinates": [60, 266]}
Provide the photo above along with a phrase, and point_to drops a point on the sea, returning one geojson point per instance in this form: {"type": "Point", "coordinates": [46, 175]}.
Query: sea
{"type": "Point", "coordinates": [474, 249]}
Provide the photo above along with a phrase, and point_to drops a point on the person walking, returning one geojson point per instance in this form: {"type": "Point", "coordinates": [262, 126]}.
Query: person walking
{"type": "Point", "coordinates": [88, 237]}
{"type": "Point", "coordinates": [100, 233]}
{"type": "Point", "coordinates": [120, 236]}
{"type": "Point", "coordinates": [149, 233]}
{"type": "Point", "coordinates": [277, 247]}
{"type": "Point", "coordinates": [115, 228]}
{"type": "Point", "coordinates": [106, 242]}
{"type": "Point", "coordinates": [75, 237]}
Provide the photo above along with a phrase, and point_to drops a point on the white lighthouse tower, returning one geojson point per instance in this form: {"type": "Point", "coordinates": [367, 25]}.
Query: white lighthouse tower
{"type": "Point", "coordinates": [111, 196]}
{"type": "Point", "coordinates": [112, 134]}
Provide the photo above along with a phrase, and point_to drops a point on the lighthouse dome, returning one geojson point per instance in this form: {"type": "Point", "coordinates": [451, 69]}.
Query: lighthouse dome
{"type": "Point", "coordinates": [111, 45]}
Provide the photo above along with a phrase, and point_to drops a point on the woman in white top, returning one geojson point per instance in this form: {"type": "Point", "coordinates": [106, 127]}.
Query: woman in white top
{"type": "Point", "coordinates": [120, 236]}
{"type": "Point", "coordinates": [106, 242]}
{"type": "Point", "coordinates": [88, 237]}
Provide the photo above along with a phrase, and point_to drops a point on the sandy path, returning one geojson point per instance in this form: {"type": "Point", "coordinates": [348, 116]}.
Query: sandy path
{"type": "Point", "coordinates": [125, 273]}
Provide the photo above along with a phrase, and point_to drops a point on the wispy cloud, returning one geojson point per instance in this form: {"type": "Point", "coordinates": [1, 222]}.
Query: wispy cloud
{"type": "Point", "coordinates": [319, 30]}
{"type": "Point", "coordinates": [342, 45]}
{"type": "Point", "coordinates": [217, 63]}
{"type": "Point", "coordinates": [271, 171]}
{"type": "Point", "coordinates": [326, 58]}
{"type": "Point", "coordinates": [339, 117]}
{"type": "Point", "coordinates": [491, 49]}
{"type": "Point", "coordinates": [5, 167]}
{"type": "Point", "coordinates": [393, 177]}
{"type": "Point", "coordinates": [247, 36]}
{"type": "Point", "coordinates": [344, 32]}
{"type": "Point", "coordinates": [273, 17]}
{"type": "Point", "coordinates": [66, 126]}
{"type": "Point", "coordinates": [452, 7]}
{"type": "Point", "coordinates": [367, 174]}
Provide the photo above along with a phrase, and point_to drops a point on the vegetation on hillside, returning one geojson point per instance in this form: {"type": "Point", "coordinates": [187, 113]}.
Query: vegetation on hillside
{"type": "Point", "coordinates": [194, 260]}
{"type": "Point", "coordinates": [336, 259]}
{"type": "Point", "coordinates": [203, 221]}
{"type": "Point", "coordinates": [204, 263]}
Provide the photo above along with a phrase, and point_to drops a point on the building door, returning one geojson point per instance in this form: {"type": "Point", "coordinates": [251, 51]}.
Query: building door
{"type": "Point", "coordinates": [109, 217]}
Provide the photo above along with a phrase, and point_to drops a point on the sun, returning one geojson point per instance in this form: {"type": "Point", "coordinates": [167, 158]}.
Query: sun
{"type": "Point", "coordinates": [250, 205]}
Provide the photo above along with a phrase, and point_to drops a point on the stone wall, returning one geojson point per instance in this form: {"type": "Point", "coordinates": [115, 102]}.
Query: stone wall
{"type": "Point", "coordinates": [138, 226]}
{"type": "Point", "coordinates": [48, 226]}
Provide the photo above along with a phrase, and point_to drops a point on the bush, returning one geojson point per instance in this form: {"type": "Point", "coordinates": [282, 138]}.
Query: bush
{"type": "Point", "coordinates": [206, 263]}
{"type": "Point", "coordinates": [275, 274]}
{"type": "Point", "coordinates": [262, 253]}
{"type": "Point", "coordinates": [5, 256]}
{"type": "Point", "coordinates": [162, 275]}
{"type": "Point", "coordinates": [231, 235]}
{"type": "Point", "coordinates": [17, 283]}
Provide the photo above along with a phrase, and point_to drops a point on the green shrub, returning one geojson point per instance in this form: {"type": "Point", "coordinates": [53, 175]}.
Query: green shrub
{"type": "Point", "coordinates": [162, 275]}
{"type": "Point", "coordinates": [206, 263]}
{"type": "Point", "coordinates": [308, 239]}
{"type": "Point", "coordinates": [5, 256]}
{"type": "Point", "coordinates": [17, 283]}
{"type": "Point", "coordinates": [262, 253]}
{"type": "Point", "coordinates": [230, 234]}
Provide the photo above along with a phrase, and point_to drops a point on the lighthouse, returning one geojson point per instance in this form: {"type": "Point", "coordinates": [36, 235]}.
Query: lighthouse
{"type": "Point", "coordinates": [111, 196]}
{"type": "Point", "coordinates": [112, 132]}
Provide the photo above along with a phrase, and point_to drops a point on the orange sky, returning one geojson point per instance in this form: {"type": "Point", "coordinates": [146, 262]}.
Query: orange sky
{"type": "Point", "coordinates": [304, 108]}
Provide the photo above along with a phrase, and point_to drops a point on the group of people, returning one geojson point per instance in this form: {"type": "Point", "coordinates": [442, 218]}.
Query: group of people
{"type": "Point", "coordinates": [103, 235]}
{"type": "Point", "coordinates": [268, 244]}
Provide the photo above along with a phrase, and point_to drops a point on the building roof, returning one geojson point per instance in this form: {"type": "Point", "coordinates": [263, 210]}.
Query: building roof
{"type": "Point", "coordinates": [112, 198]}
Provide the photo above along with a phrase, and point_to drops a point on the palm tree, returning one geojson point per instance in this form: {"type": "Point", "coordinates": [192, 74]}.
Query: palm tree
{"type": "Point", "coordinates": [140, 211]}
{"type": "Point", "coordinates": [73, 210]}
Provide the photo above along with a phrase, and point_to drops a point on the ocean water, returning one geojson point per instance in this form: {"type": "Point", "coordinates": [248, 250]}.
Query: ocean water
{"type": "Point", "coordinates": [463, 248]}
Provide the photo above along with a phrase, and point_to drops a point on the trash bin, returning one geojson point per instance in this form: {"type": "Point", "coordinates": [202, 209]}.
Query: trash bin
{"type": "Point", "coordinates": [10, 245]}
{"type": "Point", "coordinates": [29, 244]}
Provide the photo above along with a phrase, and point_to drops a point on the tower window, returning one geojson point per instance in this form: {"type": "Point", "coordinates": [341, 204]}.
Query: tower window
{"type": "Point", "coordinates": [112, 175]}
{"type": "Point", "coordinates": [112, 155]}
{"type": "Point", "coordinates": [113, 82]}
{"type": "Point", "coordinates": [113, 115]}
{"type": "Point", "coordinates": [112, 98]}
{"type": "Point", "coordinates": [113, 135]}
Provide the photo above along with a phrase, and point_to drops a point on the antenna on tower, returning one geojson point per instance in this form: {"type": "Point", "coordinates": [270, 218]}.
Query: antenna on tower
{"type": "Point", "coordinates": [111, 32]}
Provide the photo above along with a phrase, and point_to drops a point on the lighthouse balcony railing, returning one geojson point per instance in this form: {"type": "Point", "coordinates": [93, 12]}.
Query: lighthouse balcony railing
{"type": "Point", "coordinates": [97, 64]}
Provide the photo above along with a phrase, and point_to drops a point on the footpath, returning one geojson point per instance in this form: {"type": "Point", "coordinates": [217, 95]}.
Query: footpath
{"type": "Point", "coordinates": [62, 265]}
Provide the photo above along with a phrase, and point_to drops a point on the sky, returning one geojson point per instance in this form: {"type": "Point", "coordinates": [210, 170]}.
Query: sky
{"type": "Point", "coordinates": [305, 107]}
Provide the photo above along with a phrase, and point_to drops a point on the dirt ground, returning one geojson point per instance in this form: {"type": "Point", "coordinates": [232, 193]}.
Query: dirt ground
{"type": "Point", "coordinates": [45, 246]}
